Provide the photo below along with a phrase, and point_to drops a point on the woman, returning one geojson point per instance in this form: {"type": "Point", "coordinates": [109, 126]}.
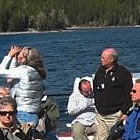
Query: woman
{"type": "Point", "coordinates": [9, 129]}
{"type": "Point", "coordinates": [26, 66]}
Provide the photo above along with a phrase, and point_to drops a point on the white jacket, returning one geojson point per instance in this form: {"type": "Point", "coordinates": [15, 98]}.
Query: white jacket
{"type": "Point", "coordinates": [80, 107]}
{"type": "Point", "coordinates": [29, 88]}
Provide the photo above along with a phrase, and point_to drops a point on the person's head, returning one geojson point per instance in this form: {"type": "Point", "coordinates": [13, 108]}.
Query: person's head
{"type": "Point", "coordinates": [31, 57]}
{"type": "Point", "coordinates": [7, 111]}
{"type": "Point", "coordinates": [109, 57]}
{"type": "Point", "coordinates": [135, 93]}
{"type": "Point", "coordinates": [85, 88]}
{"type": "Point", "coordinates": [4, 91]}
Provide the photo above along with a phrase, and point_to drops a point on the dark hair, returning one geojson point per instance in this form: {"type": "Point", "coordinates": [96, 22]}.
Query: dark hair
{"type": "Point", "coordinates": [34, 60]}
{"type": "Point", "coordinates": [8, 100]}
{"type": "Point", "coordinates": [83, 81]}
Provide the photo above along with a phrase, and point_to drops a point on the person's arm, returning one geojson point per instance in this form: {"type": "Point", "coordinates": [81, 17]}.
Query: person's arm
{"type": "Point", "coordinates": [13, 63]}
{"type": "Point", "coordinates": [12, 71]}
{"type": "Point", "coordinates": [6, 62]}
{"type": "Point", "coordinates": [16, 73]}
{"type": "Point", "coordinates": [77, 105]}
{"type": "Point", "coordinates": [9, 61]}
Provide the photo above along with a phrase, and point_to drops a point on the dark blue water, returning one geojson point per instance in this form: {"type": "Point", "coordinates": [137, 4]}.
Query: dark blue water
{"type": "Point", "coordinates": [76, 53]}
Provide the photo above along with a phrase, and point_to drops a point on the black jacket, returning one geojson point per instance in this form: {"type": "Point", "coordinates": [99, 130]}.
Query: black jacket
{"type": "Point", "coordinates": [112, 90]}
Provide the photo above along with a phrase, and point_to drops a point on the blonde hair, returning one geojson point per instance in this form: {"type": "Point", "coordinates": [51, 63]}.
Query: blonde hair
{"type": "Point", "coordinates": [34, 60]}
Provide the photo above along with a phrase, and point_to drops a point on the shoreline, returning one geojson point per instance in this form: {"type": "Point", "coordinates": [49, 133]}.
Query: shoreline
{"type": "Point", "coordinates": [65, 30]}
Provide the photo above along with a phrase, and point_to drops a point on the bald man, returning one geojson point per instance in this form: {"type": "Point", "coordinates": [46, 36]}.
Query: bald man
{"type": "Point", "coordinates": [81, 107]}
{"type": "Point", "coordinates": [112, 87]}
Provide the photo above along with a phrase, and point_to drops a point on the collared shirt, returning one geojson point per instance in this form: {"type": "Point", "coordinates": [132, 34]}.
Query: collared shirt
{"type": "Point", "coordinates": [12, 133]}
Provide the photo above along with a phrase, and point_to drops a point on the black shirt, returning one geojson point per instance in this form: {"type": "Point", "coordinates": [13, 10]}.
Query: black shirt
{"type": "Point", "coordinates": [112, 90]}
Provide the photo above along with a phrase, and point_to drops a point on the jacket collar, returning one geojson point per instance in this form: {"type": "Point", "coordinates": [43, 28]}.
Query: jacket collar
{"type": "Point", "coordinates": [102, 69]}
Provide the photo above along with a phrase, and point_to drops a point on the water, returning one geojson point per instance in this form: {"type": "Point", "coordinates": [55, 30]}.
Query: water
{"type": "Point", "coordinates": [76, 53]}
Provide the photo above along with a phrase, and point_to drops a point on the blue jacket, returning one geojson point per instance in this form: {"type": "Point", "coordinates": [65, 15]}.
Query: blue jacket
{"type": "Point", "coordinates": [132, 126]}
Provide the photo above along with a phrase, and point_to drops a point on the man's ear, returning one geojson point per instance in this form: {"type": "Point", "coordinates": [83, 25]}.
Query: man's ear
{"type": "Point", "coordinates": [112, 60]}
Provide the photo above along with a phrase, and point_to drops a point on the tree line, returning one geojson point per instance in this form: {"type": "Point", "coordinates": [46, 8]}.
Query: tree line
{"type": "Point", "coordinates": [42, 15]}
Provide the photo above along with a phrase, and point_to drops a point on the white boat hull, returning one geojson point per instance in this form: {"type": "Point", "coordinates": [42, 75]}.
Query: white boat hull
{"type": "Point", "coordinates": [70, 138]}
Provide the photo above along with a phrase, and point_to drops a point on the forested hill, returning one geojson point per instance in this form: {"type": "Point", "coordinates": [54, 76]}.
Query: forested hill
{"type": "Point", "coordinates": [40, 15]}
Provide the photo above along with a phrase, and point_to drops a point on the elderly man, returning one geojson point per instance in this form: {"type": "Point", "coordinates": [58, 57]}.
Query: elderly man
{"type": "Point", "coordinates": [132, 125]}
{"type": "Point", "coordinates": [81, 106]}
{"type": "Point", "coordinates": [112, 87]}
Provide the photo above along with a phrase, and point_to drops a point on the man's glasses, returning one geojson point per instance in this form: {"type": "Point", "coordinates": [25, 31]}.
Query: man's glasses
{"type": "Point", "coordinates": [133, 91]}
{"type": "Point", "coordinates": [4, 113]}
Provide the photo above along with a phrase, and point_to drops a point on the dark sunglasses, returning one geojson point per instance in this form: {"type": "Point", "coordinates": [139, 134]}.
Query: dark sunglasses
{"type": "Point", "coordinates": [133, 91]}
{"type": "Point", "coordinates": [4, 113]}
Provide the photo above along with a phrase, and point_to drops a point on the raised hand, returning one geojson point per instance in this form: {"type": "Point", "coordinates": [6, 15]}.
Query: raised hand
{"type": "Point", "coordinates": [14, 51]}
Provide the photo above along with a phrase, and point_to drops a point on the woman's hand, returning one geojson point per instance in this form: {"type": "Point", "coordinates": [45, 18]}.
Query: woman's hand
{"type": "Point", "coordinates": [14, 51]}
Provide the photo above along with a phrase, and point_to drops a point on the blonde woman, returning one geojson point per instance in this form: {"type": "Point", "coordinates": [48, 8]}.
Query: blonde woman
{"type": "Point", "coordinates": [26, 67]}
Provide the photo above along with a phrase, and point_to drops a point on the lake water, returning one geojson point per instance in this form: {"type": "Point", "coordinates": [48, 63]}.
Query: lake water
{"type": "Point", "coordinates": [76, 53]}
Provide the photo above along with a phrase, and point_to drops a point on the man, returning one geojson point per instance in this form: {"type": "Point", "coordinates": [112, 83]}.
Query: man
{"type": "Point", "coordinates": [112, 86]}
{"type": "Point", "coordinates": [81, 106]}
{"type": "Point", "coordinates": [132, 125]}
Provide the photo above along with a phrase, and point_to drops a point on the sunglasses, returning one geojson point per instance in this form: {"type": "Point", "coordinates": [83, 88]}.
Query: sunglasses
{"type": "Point", "coordinates": [4, 113]}
{"type": "Point", "coordinates": [133, 91]}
